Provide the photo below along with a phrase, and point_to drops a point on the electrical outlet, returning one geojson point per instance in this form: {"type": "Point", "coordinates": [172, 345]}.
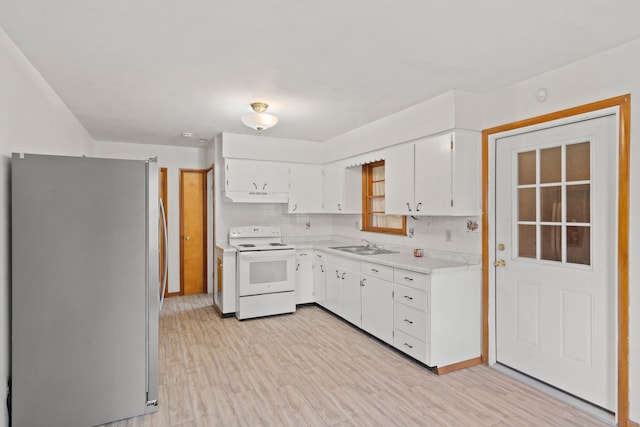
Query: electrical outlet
{"type": "Point", "coordinates": [447, 235]}
{"type": "Point", "coordinates": [410, 232]}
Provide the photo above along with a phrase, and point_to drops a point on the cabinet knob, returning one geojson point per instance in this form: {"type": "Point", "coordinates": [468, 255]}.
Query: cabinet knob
{"type": "Point", "coordinates": [408, 321]}
{"type": "Point", "coordinates": [298, 267]}
{"type": "Point", "coordinates": [418, 207]}
{"type": "Point", "coordinates": [408, 297]}
{"type": "Point", "coordinates": [408, 345]}
{"type": "Point", "coordinates": [408, 207]}
{"type": "Point", "coordinates": [264, 186]}
{"type": "Point", "coordinates": [408, 278]}
{"type": "Point", "coordinates": [255, 185]}
{"type": "Point", "coordinates": [294, 207]}
{"type": "Point", "coordinates": [339, 206]}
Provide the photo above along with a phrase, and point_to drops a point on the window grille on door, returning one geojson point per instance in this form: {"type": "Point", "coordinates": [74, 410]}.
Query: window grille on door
{"type": "Point", "coordinates": [554, 204]}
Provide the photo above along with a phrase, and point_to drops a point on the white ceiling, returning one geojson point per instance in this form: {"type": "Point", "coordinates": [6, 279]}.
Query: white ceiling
{"type": "Point", "coordinates": [148, 70]}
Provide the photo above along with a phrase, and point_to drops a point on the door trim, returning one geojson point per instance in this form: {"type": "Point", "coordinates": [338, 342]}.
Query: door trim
{"type": "Point", "coordinates": [204, 228]}
{"type": "Point", "coordinates": [623, 103]}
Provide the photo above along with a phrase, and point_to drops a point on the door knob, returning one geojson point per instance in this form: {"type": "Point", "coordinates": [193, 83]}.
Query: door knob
{"type": "Point", "coordinates": [501, 246]}
{"type": "Point", "coordinates": [500, 263]}
{"type": "Point", "coordinates": [187, 237]}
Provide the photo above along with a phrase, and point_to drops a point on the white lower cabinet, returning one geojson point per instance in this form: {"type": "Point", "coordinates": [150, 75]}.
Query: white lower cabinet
{"type": "Point", "coordinates": [319, 278]}
{"type": "Point", "coordinates": [304, 276]}
{"type": "Point", "coordinates": [343, 288]}
{"type": "Point", "coordinates": [377, 300]}
{"type": "Point", "coordinates": [434, 318]}
{"type": "Point", "coordinates": [437, 317]}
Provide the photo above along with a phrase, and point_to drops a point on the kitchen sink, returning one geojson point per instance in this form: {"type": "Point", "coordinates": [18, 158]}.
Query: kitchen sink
{"type": "Point", "coordinates": [363, 250]}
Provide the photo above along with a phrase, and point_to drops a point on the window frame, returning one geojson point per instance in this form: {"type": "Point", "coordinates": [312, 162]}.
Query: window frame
{"type": "Point", "coordinates": [367, 190]}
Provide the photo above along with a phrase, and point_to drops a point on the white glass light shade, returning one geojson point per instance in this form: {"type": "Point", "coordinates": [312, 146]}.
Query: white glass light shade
{"type": "Point", "coordinates": [260, 121]}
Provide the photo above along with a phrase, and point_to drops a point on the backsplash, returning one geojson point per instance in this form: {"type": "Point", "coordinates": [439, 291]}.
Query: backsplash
{"type": "Point", "coordinates": [274, 214]}
{"type": "Point", "coordinates": [429, 233]}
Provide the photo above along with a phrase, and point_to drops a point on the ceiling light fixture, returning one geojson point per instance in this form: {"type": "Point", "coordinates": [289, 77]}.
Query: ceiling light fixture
{"type": "Point", "coordinates": [260, 120]}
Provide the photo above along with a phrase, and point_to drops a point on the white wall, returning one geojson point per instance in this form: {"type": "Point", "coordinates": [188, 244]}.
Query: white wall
{"type": "Point", "coordinates": [33, 119]}
{"type": "Point", "coordinates": [174, 159]}
{"type": "Point", "coordinates": [602, 76]}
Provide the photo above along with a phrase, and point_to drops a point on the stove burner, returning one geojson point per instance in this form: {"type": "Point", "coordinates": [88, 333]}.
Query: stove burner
{"type": "Point", "coordinates": [247, 245]}
{"type": "Point", "coordinates": [277, 244]}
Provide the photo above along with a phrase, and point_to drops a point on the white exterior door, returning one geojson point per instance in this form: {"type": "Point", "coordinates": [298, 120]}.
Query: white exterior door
{"type": "Point", "coordinates": [555, 232]}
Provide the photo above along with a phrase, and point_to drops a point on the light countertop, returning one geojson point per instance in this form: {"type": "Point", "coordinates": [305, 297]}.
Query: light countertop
{"type": "Point", "coordinates": [402, 259]}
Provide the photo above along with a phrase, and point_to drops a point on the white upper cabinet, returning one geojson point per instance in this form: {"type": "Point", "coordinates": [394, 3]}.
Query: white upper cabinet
{"type": "Point", "coordinates": [442, 178]}
{"type": "Point", "coordinates": [342, 189]}
{"type": "Point", "coordinates": [256, 181]}
{"type": "Point", "coordinates": [305, 188]}
{"type": "Point", "coordinates": [398, 166]}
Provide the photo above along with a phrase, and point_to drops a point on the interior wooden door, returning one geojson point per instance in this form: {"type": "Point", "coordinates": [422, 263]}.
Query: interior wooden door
{"type": "Point", "coordinates": [193, 229]}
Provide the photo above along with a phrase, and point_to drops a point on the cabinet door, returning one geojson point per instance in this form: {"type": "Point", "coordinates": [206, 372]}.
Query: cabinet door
{"type": "Point", "coordinates": [333, 282]}
{"type": "Point", "coordinates": [305, 189]}
{"type": "Point", "coordinates": [433, 178]}
{"type": "Point", "coordinates": [399, 171]}
{"type": "Point", "coordinates": [304, 277]}
{"type": "Point", "coordinates": [377, 307]}
{"type": "Point", "coordinates": [255, 175]}
{"type": "Point", "coordinates": [350, 296]}
{"type": "Point", "coordinates": [319, 284]}
{"type": "Point", "coordinates": [333, 189]}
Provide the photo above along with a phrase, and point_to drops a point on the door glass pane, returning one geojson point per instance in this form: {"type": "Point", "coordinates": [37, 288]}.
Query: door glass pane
{"type": "Point", "coordinates": [526, 204]}
{"type": "Point", "coordinates": [579, 203]}
{"type": "Point", "coordinates": [551, 204]}
{"type": "Point", "coordinates": [578, 162]}
{"type": "Point", "coordinates": [550, 165]}
{"type": "Point", "coordinates": [527, 168]}
{"type": "Point", "coordinates": [551, 239]}
{"type": "Point", "coordinates": [579, 245]}
{"type": "Point", "coordinates": [527, 241]}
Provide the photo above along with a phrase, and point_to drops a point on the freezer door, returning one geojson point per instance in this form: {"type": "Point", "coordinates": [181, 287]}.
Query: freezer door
{"type": "Point", "coordinates": [80, 290]}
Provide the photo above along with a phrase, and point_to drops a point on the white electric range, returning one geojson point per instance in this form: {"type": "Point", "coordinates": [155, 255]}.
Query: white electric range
{"type": "Point", "coordinates": [265, 276]}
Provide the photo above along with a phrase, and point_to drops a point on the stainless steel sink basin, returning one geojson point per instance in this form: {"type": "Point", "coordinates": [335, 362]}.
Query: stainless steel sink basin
{"type": "Point", "coordinates": [363, 250]}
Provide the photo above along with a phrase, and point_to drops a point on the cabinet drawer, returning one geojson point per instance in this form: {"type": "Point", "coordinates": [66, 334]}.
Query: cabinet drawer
{"type": "Point", "coordinates": [304, 254]}
{"type": "Point", "coordinates": [318, 256]}
{"type": "Point", "coordinates": [410, 320]}
{"type": "Point", "coordinates": [344, 262]}
{"type": "Point", "coordinates": [411, 278]}
{"type": "Point", "coordinates": [411, 297]}
{"type": "Point", "coordinates": [409, 345]}
{"type": "Point", "coordinates": [376, 270]}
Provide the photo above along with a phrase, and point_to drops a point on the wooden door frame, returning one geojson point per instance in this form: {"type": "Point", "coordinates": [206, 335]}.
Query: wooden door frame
{"type": "Point", "coordinates": [624, 114]}
{"type": "Point", "coordinates": [204, 227]}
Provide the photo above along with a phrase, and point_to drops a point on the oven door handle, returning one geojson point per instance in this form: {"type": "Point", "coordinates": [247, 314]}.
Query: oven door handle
{"type": "Point", "coordinates": [277, 253]}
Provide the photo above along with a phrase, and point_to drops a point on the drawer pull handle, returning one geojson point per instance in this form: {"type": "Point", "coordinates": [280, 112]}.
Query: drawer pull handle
{"type": "Point", "coordinates": [302, 254]}
{"type": "Point", "coordinates": [409, 279]}
{"type": "Point", "coordinates": [375, 270]}
{"type": "Point", "coordinates": [408, 297]}
{"type": "Point", "coordinates": [408, 345]}
{"type": "Point", "coordinates": [408, 321]}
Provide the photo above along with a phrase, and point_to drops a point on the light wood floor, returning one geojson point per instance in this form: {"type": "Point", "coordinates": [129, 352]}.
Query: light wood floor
{"type": "Point", "coordinates": [312, 369]}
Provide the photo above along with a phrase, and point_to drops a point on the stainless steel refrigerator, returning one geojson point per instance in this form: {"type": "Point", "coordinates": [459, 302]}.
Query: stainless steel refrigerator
{"type": "Point", "coordinates": [84, 290]}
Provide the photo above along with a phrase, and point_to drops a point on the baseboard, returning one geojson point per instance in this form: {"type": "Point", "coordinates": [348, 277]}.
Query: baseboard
{"type": "Point", "coordinates": [442, 370]}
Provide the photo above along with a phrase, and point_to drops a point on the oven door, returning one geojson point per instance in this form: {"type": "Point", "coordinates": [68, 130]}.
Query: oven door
{"type": "Point", "coordinates": [263, 272]}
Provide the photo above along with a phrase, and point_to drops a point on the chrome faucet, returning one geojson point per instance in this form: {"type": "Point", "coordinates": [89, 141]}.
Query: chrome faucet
{"type": "Point", "coordinates": [370, 244]}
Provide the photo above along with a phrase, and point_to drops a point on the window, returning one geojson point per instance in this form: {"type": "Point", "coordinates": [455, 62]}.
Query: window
{"type": "Point", "coordinates": [373, 216]}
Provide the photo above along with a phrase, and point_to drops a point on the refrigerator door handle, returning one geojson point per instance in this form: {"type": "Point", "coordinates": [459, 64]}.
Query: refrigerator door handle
{"type": "Point", "coordinates": [163, 218]}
